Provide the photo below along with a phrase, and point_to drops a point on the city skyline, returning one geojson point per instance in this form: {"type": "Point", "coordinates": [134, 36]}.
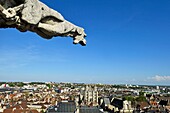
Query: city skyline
{"type": "Point", "coordinates": [127, 43]}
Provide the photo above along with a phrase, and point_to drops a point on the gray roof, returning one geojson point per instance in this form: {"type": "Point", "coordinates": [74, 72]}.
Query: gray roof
{"type": "Point", "coordinates": [117, 103]}
{"type": "Point", "coordinates": [66, 107]}
{"type": "Point", "coordinates": [85, 109]}
{"type": "Point", "coordinates": [63, 107]}
{"type": "Point", "coordinates": [106, 100]}
{"type": "Point", "coordinates": [60, 112]}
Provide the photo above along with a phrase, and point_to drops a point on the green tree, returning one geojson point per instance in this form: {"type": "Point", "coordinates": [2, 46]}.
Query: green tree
{"type": "Point", "coordinates": [11, 84]}
{"type": "Point", "coordinates": [141, 93]}
{"type": "Point", "coordinates": [42, 111]}
{"type": "Point", "coordinates": [20, 84]}
{"type": "Point", "coordinates": [49, 85]}
{"type": "Point", "coordinates": [141, 98]}
{"type": "Point", "coordinates": [129, 98]}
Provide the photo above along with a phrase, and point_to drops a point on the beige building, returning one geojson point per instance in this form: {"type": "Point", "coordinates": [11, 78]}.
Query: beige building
{"type": "Point", "coordinates": [90, 96]}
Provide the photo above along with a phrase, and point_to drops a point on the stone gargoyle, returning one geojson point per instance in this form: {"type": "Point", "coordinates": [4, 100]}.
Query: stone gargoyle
{"type": "Point", "coordinates": [35, 16]}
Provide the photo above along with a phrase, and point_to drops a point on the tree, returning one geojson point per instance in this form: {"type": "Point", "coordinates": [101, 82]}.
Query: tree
{"type": "Point", "coordinates": [20, 84]}
{"type": "Point", "coordinates": [141, 93]}
{"type": "Point", "coordinates": [49, 85]}
{"type": "Point", "coordinates": [42, 111]}
{"type": "Point", "coordinates": [11, 84]}
{"type": "Point", "coordinates": [129, 98]}
{"type": "Point", "coordinates": [141, 99]}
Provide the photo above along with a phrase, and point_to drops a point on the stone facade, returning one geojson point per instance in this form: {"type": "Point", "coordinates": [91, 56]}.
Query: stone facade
{"type": "Point", "coordinates": [90, 96]}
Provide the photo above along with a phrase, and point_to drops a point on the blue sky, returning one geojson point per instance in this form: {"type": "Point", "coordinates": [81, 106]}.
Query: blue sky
{"type": "Point", "coordinates": [128, 42]}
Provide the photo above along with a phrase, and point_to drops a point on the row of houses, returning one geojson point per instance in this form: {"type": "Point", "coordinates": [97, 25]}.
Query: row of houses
{"type": "Point", "coordinates": [102, 98]}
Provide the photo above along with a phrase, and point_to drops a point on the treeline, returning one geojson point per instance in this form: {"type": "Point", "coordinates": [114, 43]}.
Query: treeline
{"type": "Point", "coordinates": [20, 84]}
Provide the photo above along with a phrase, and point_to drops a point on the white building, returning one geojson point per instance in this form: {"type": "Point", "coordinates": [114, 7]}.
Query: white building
{"type": "Point", "coordinates": [90, 96]}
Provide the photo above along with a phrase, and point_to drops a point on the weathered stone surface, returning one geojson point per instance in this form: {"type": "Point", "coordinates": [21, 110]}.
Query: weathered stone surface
{"type": "Point", "coordinates": [35, 16]}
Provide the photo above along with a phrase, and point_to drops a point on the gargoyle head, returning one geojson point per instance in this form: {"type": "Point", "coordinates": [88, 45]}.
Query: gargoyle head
{"type": "Point", "coordinates": [80, 37]}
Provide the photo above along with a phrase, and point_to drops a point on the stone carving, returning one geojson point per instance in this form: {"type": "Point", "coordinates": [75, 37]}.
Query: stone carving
{"type": "Point", "coordinates": [35, 16]}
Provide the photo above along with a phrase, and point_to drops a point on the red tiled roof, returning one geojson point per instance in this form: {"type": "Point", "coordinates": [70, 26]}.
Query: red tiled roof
{"type": "Point", "coordinates": [7, 111]}
{"type": "Point", "coordinates": [143, 104]}
{"type": "Point", "coordinates": [19, 111]}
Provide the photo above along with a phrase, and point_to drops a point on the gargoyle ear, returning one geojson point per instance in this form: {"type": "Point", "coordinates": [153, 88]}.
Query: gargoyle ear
{"type": "Point", "coordinates": [80, 31]}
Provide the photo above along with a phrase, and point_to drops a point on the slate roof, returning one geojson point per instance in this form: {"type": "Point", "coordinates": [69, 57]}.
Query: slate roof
{"type": "Point", "coordinates": [117, 103]}
{"type": "Point", "coordinates": [63, 107]}
{"type": "Point", "coordinates": [66, 107]}
{"type": "Point", "coordinates": [85, 109]}
{"type": "Point", "coordinates": [163, 102]}
{"type": "Point", "coordinates": [106, 100]}
{"type": "Point", "coordinates": [6, 89]}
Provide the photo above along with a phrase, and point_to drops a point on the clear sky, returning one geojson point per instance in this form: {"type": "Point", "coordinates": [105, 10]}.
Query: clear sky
{"type": "Point", "coordinates": [128, 42]}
